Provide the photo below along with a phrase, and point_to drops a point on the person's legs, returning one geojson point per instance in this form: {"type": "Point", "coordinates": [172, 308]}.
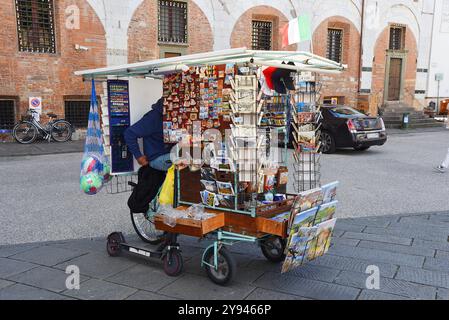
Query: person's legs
{"type": "Point", "coordinates": [161, 163]}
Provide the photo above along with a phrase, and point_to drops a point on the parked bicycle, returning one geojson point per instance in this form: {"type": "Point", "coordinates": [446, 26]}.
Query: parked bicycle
{"type": "Point", "coordinates": [27, 131]}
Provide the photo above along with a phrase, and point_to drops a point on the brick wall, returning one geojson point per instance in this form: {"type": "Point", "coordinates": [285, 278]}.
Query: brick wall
{"type": "Point", "coordinates": [50, 75]}
{"type": "Point", "coordinates": [242, 33]}
{"type": "Point", "coordinates": [379, 65]}
{"type": "Point", "coordinates": [345, 84]}
{"type": "Point", "coordinates": [143, 38]}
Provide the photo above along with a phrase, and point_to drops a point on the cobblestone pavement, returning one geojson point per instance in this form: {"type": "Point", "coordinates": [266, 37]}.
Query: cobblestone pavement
{"type": "Point", "coordinates": [411, 252]}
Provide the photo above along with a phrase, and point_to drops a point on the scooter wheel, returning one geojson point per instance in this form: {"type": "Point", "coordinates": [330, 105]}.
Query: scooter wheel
{"type": "Point", "coordinates": [173, 263]}
{"type": "Point", "coordinates": [113, 244]}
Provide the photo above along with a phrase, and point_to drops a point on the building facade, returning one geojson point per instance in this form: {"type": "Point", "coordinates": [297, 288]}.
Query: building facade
{"type": "Point", "coordinates": [395, 50]}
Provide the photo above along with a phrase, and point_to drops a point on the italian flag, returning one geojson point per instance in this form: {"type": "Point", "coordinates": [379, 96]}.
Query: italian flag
{"type": "Point", "coordinates": [296, 30]}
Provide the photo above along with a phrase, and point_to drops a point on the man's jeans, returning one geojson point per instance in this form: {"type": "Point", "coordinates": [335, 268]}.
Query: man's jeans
{"type": "Point", "coordinates": [161, 163]}
{"type": "Point", "coordinates": [445, 163]}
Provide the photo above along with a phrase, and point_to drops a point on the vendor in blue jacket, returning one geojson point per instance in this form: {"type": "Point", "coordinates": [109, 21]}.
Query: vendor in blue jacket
{"type": "Point", "coordinates": [156, 153]}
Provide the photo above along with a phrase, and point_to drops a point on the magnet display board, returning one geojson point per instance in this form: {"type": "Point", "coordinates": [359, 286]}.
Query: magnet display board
{"type": "Point", "coordinates": [119, 121]}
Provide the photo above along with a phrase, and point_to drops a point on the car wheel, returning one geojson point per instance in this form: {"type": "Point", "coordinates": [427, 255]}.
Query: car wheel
{"type": "Point", "coordinates": [327, 142]}
{"type": "Point", "coordinates": [361, 148]}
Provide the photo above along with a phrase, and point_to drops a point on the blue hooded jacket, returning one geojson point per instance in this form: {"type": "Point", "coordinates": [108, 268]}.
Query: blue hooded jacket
{"type": "Point", "coordinates": [150, 129]}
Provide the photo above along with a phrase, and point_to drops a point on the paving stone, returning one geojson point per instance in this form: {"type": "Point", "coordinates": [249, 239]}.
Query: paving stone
{"type": "Point", "coordinates": [439, 218]}
{"type": "Point", "coordinates": [244, 274]}
{"type": "Point", "coordinates": [48, 255]}
{"type": "Point", "coordinates": [438, 264]}
{"type": "Point", "coordinates": [349, 227]}
{"type": "Point", "coordinates": [419, 251]}
{"type": "Point", "coordinates": [9, 267]}
{"type": "Point", "coordinates": [387, 285]}
{"type": "Point", "coordinates": [429, 277]}
{"type": "Point", "coordinates": [442, 254]}
{"type": "Point", "coordinates": [372, 221]}
{"type": "Point", "coordinates": [95, 289]}
{"type": "Point", "coordinates": [374, 256]}
{"type": "Point", "coordinates": [86, 245]}
{"type": "Point", "coordinates": [145, 277]}
{"type": "Point", "coordinates": [408, 232]}
{"type": "Point", "coordinates": [99, 265]}
{"type": "Point", "coordinates": [345, 241]}
{"type": "Point", "coordinates": [351, 264]}
{"type": "Point", "coordinates": [421, 225]}
{"type": "Point", "coordinates": [5, 283]}
{"type": "Point", "coordinates": [431, 244]}
{"type": "Point", "coordinates": [414, 219]}
{"type": "Point", "coordinates": [337, 233]}
{"type": "Point", "coordinates": [306, 287]}
{"type": "Point", "coordinates": [45, 278]}
{"type": "Point", "coordinates": [193, 287]}
{"type": "Point", "coordinates": [315, 272]}
{"type": "Point", "coordinates": [10, 250]}
{"type": "Point", "coordinates": [377, 295]}
{"type": "Point", "coordinates": [378, 238]}
{"type": "Point", "coordinates": [23, 292]}
{"type": "Point", "coordinates": [442, 294]}
{"type": "Point", "coordinates": [145, 295]}
{"type": "Point", "coordinates": [264, 294]}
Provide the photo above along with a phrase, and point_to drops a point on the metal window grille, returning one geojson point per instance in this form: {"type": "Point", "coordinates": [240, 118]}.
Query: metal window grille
{"type": "Point", "coordinates": [262, 35]}
{"type": "Point", "coordinates": [172, 21]}
{"type": "Point", "coordinates": [77, 113]}
{"type": "Point", "coordinates": [397, 38]}
{"type": "Point", "coordinates": [334, 44]}
{"type": "Point", "coordinates": [7, 114]}
{"type": "Point", "coordinates": [35, 26]}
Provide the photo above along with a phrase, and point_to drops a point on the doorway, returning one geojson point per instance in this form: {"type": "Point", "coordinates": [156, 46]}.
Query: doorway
{"type": "Point", "coordinates": [394, 79]}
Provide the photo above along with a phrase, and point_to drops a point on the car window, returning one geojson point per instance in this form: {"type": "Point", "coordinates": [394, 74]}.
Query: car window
{"type": "Point", "coordinates": [343, 112]}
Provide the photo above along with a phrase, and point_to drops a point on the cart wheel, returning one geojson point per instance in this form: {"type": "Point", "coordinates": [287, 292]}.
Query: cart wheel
{"type": "Point", "coordinates": [226, 266]}
{"type": "Point", "coordinates": [273, 249]}
{"type": "Point", "coordinates": [173, 263]}
{"type": "Point", "coordinates": [113, 245]}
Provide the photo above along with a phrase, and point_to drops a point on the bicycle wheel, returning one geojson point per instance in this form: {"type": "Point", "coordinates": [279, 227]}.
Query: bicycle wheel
{"type": "Point", "coordinates": [25, 132]}
{"type": "Point", "coordinates": [61, 131]}
{"type": "Point", "coordinates": [145, 229]}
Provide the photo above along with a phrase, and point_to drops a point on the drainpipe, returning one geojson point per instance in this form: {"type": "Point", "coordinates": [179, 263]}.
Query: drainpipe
{"type": "Point", "coordinates": [362, 23]}
{"type": "Point", "coordinates": [429, 68]}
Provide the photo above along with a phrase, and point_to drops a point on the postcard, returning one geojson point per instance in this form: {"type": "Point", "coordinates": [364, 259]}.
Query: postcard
{"type": "Point", "coordinates": [298, 248]}
{"type": "Point", "coordinates": [209, 185]}
{"type": "Point", "coordinates": [304, 201]}
{"type": "Point", "coordinates": [326, 212]}
{"type": "Point", "coordinates": [320, 244]}
{"type": "Point", "coordinates": [209, 198]}
{"type": "Point", "coordinates": [329, 191]}
{"type": "Point", "coordinates": [225, 188]}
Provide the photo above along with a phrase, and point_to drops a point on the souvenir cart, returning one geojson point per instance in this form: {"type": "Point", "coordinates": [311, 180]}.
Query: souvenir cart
{"type": "Point", "coordinates": [230, 115]}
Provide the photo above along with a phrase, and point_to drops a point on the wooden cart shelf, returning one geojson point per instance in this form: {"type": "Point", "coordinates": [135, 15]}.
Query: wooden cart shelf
{"type": "Point", "coordinates": [228, 221]}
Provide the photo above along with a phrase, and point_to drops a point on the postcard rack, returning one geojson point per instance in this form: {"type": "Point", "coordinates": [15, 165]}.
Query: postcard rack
{"type": "Point", "coordinates": [240, 173]}
{"type": "Point", "coordinates": [305, 126]}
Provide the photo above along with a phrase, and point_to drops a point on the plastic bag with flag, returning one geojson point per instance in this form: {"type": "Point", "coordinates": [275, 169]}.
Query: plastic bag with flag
{"type": "Point", "coordinates": [94, 165]}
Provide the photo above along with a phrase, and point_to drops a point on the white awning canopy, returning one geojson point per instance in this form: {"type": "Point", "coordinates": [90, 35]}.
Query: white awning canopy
{"type": "Point", "coordinates": [304, 61]}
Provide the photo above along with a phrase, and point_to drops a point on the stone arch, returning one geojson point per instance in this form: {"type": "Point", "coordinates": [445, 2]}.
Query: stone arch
{"type": "Point", "coordinates": [380, 72]}
{"type": "Point", "coordinates": [345, 84]}
{"type": "Point", "coordinates": [241, 33]}
{"type": "Point", "coordinates": [226, 13]}
{"type": "Point", "coordinates": [324, 9]}
{"type": "Point", "coordinates": [401, 13]}
{"type": "Point", "coordinates": [142, 32]}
